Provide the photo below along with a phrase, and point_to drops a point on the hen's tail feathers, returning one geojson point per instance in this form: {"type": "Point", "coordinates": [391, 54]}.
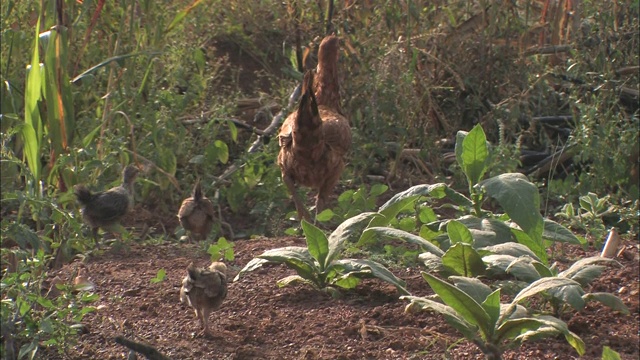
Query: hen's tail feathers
{"type": "Point", "coordinates": [218, 266]}
{"type": "Point", "coordinates": [197, 191]}
{"type": "Point", "coordinates": [192, 270]}
{"type": "Point", "coordinates": [83, 194]}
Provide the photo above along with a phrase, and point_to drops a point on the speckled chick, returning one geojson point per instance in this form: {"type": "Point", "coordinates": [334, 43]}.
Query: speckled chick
{"type": "Point", "coordinates": [204, 290]}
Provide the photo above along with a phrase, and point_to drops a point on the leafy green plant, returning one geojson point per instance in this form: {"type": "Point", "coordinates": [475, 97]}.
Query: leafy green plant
{"type": "Point", "coordinates": [589, 216]}
{"type": "Point", "coordinates": [610, 354]}
{"type": "Point", "coordinates": [160, 276]}
{"type": "Point", "coordinates": [222, 249]}
{"type": "Point", "coordinates": [354, 202]}
{"type": "Point", "coordinates": [31, 320]}
{"type": "Point", "coordinates": [516, 195]}
{"type": "Point", "coordinates": [472, 308]}
{"type": "Point", "coordinates": [319, 263]}
{"type": "Point", "coordinates": [584, 271]}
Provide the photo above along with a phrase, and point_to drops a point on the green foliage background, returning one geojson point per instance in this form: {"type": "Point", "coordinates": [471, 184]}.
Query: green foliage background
{"type": "Point", "coordinates": [163, 84]}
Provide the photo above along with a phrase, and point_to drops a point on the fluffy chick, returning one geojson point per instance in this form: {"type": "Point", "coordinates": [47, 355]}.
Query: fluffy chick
{"type": "Point", "coordinates": [106, 208]}
{"type": "Point", "coordinates": [204, 290]}
{"type": "Point", "coordinates": [196, 214]}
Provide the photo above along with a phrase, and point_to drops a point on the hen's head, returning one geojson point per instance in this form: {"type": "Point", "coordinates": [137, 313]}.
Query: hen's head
{"type": "Point", "coordinates": [328, 51]}
{"type": "Point", "coordinates": [129, 174]}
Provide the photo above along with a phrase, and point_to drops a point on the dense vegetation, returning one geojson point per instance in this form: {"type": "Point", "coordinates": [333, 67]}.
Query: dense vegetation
{"type": "Point", "coordinates": [186, 88]}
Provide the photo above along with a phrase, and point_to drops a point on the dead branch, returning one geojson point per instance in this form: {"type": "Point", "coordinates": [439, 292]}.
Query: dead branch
{"type": "Point", "coordinates": [547, 50]}
{"type": "Point", "coordinates": [148, 351]}
{"type": "Point", "coordinates": [264, 137]}
{"type": "Point", "coordinates": [551, 161]}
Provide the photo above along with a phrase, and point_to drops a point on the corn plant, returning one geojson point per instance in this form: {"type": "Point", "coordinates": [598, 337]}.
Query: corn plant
{"type": "Point", "coordinates": [319, 263]}
{"type": "Point", "coordinates": [472, 308]}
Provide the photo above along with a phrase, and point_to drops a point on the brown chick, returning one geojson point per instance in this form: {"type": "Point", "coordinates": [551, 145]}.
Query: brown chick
{"type": "Point", "coordinates": [196, 214]}
{"type": "Point", "coordinates": [106, 208]}
{"type": "Point", "coordinates": [315, 139]}
{"type": "Point", "coordinates": [204, 290]}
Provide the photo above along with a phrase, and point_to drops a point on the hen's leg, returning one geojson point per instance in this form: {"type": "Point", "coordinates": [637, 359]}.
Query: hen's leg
{"type": "Point", "coordinates": [327, 188]}
{"type": "Point", "coordinates": [302, 211]}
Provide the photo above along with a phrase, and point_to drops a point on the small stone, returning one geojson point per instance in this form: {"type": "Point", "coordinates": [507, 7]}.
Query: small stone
{"type": "Point", "coordinates": [131, 292]}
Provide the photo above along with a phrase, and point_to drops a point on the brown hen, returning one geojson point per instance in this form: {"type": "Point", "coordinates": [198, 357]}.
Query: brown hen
{"type": "Point", "coordinates": [105, 209]}
{"type": "Point", "coordinates": [204, 290]}
{"type": "Point", "coordinates": [197, 214]}
{"type": "Point", "coordinates": [315, 138]}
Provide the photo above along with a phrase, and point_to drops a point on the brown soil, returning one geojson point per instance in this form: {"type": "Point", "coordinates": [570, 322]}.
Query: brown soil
{"type": "Point", "coordinates": [258, 320]}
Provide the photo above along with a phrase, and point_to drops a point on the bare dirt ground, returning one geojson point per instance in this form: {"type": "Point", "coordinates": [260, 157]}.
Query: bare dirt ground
{"type": "Point", "coordinates": [258, 320]}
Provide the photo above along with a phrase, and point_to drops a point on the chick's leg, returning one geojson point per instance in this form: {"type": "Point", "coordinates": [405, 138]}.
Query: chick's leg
{"type": "Point", "coordinates": [205, 324]}
{"type": "Point", "coordinates": [96, 242]}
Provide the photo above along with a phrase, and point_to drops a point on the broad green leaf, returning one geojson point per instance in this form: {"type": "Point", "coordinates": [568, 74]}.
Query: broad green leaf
{"type": "Point", "coordinates": [552, 326]}
{"type": "Point", "coordinates": [585, 270]}
{"type": "Point", "coordinates": [406, 199]}
{"type": "Point", "coordinates": [317, 243]}
{"type": "Point", "coordinates": [295, 257]}
{"type": "Point", "coordinates": [432, 262]}
{"type": "Point", "coordinates": [522, 269]}
{"type": "Point", "coordinates": [492, 306]}
{"type": "Point", "coordinates": [392, 233]}
{"type": "Point", "coordinates": [453, 318]}
{"type": "Point", "coordinates": [292, 280]}
{"type": "Point", "coordinates": [608, 300]}
{"type": "Point", "coordinates": [572, 295]}
{"type": "Point", "coordinates": [369, 268]}
{"type": "Point", "coordinates": [252, 265]}
{"type": "Point", "coordinates": [347, 231]}
{"type": "Point", "coordinates": [463, 260]}
{"type": "Point", "coordinates": [233, 129]}
{"type": "Point", "coordinates": [32, 131]}
{"type": "Point", "coordinates": [159, 276]}
{"type": "Point", "coordinates": [610, 354]}
{"type": "Point", "coordinates": [347, 281]}
{"type": "Point", "coordinates": [542, 269]}
{"type": "Point", "coordinates": [513, 328]}
{"type": "Point", "coordinates": [462, 303]}
{"type": "Point", "coordinates": [457, 198]}
{"type": "Point", "coordinates": [536, 246]}
{"type": "Point", "coordinates": [541, 285]}
{"type": "Point", "coordinates": [427, 215]}
{"type": "Point", "coordinates": [520, 200]}
{"type": "Point", "coordinates": [378, 189]}
{"type": "Point", "coordinates": [497, 264]}
{"type": "Point", "coordinates": [510, 248]}
{"type": "Point", "coordinates": [58, 91]}
{"type": "Point", "coordinates": [556, 232]}
{"type": "Point", "coordinates": [485, 232]}
{"type": "Point", "coordinates": [474, 154]}
{"type": "Point", "coordinates": [472, 287]}
{"type": "Point", "coordinates": [325, 215]}
{"type": "Point", "coordinates": [222, 151]}
{"type": "Point", "coordinates": [457, 232]}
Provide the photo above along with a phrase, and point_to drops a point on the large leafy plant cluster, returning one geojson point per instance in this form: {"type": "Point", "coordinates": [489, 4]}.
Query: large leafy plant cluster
{"type": "Point", "coordinates": [506, 249]}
